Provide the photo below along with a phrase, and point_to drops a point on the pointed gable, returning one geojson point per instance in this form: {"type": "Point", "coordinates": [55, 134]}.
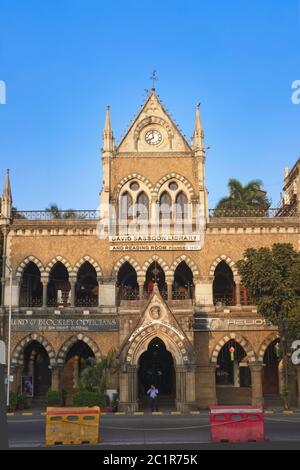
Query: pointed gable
{"type": "Point", "coordinates": [153, 131]}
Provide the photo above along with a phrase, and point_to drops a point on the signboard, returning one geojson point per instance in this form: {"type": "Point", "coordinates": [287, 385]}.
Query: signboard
{"type": "Point", "coordinates": [226, 324]}
{"type": "Point", "coordinates": [65, 324]}
{"type": "Point", "coordinates": [155, 238]}
{"type": "Point", "coordinates": [2, 352]}
{"type": "Point", "coordinates": [159, 247]}
{"type": "Point", "coordinates": [27, 386]}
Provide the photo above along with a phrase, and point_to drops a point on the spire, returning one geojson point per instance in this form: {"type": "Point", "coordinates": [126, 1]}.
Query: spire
{"type": "Point", "coordinates": [108, 136]}
{"type": "Point", "coordinates": [198, 132]}
{"type": "Point", "coordinates": [6, 201]}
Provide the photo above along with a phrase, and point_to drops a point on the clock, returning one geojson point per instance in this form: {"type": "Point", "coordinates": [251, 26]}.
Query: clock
{"type": "Point", "coordinates": [153, 137]}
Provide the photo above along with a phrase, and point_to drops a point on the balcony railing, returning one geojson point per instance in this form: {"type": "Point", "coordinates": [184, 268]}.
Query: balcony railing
{"type": "Point", "coordinates": [56, 215]}
{"type": "Point", "coordinates": [269, 213]}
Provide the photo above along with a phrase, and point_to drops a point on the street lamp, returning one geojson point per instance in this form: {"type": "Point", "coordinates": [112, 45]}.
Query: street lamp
{"type": "Point", "coordinates": [9, 334]}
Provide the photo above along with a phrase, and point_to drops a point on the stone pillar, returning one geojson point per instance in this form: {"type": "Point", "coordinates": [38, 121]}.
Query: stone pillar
{"type": "Point", "coordinates": [99, 279]}
{"type": "Point", "coordinates": [141, 284]}
{"type": "Point", "coordinates": [204, 291]}
{"type": "Point", "coordinates": [181, 404]}
{"type": "Point", "coordinates": [73, 285]}
{"type": "Point", "coordinates": [169, 288]}
{"type": "Point", "coordinates": [45, 289]}
{"type": "Point", "coordinates": [129, 389]}
{"type": "Point", "coordinates": [206, 391]}
{"type": "Point", "coordinates": [238, 291]}
{"type": "Point", "coordinates": [256, 379]}
{"type": "Point", "coordinates": [56, 378]}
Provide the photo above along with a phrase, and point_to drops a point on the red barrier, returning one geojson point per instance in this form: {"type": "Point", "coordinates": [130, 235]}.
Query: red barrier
{"type": "Point", "coordinates": [237, 424]}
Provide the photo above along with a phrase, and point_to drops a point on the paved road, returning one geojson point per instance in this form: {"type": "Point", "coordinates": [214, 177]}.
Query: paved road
{"type": "Point", "coordinates": [150, 430]}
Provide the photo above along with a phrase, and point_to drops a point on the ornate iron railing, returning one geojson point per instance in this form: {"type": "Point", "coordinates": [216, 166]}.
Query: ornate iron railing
{"type": "Point", "coordinates": [269, 213]}
{"type": "Point", "coordinates": [56, 215]}
{"type": "Point", "coordinates": [87, 302]}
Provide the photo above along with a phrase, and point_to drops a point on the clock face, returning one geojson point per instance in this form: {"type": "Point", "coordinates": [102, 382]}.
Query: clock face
{"type": "Point", "coordinates": [153, 137]}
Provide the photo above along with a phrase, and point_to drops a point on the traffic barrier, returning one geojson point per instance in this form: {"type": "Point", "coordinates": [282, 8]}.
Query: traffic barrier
{"type": "Point", "coordinates": [67, 426]}
{"type": "Point", "coordinates": [237, 424]}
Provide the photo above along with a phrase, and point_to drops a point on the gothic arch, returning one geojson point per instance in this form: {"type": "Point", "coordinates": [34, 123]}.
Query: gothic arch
{"type": "Point", "coordinates": [174, 341]}
{"type": "Point", "coordinates": [160, 261]}
{"type": "Point", "coordinates": [266, 343]}
{"type": "Point", "coordinates": [123, 260]}
{"type": "Point", "coordinates": [187, 185]}
{"type": "Point", "coordinates": [244, 343]}
{"type": "Point", "coordinates": [25, 262]}
{"type": "Point", "coordinates": [18, 354]}
{"type": "Point", "coordinates": [61, 260]}
{"type": "Point", "coordinates": [191, 264]}
{"type": "Point", "coordinates": [133, 176]}
{"type": "Point", "coordinates": [227, 260]}
{"type": "Point", "coordinates": [92, 262]}
{"type": "Point", "coordinates": [62, 353]}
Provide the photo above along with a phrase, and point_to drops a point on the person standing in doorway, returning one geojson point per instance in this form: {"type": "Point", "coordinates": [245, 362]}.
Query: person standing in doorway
{"type": "Point", "coordinates": [153, 393]}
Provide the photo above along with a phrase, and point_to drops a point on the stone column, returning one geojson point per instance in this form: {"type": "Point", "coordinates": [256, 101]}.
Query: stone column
{"type": "Point", "coordinates": [238, 291]}
{"type": "Point", "coordinates": [99, 279]}
{"type": "Point", "coordinates": [181, 404]}
{"type": "Point", "coordinates": [169, 282]}
{"type": "Point", "coordinates": [204, 291]}
{"type": "Point", "coordinates": [256, 379]}
{"type": "Point", "coordinates": [45, 288]}
{"type": "Point", "coordinates": [129, 389]}
{"type": "Point", "coordinates": [206, 391]}
{"type": "Point", "coordinates": [56, 378]}
{"type": "Point", "coordinates": [73, 285]}
{"type": "Point", "coordinates": [141, 283]}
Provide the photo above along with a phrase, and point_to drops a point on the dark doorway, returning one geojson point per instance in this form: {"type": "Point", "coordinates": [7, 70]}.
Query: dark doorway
{"type": "Point", "coordinates": [270, 371]}
{"type": "Point", "coordinates": [156, 366]}
{"type": "Point", "coordinates": [36, 365]}
{"type": "Point", "coordinates": [223, 285]}
{"type": "Point", "coordinates": [155, 274]}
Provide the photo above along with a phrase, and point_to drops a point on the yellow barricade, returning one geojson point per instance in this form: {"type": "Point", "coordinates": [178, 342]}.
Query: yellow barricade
{"type": "Point", "coordinates": [70, 425]}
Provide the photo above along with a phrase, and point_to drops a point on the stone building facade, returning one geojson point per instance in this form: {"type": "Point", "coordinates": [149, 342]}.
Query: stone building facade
{"type": "Point", "coordinates": [151, 275]}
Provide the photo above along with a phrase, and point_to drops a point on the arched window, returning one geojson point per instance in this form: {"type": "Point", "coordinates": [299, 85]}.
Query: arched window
{"type": "Point", "coordinates": [165, 203]}
{"type": "Point", "coordinates": [127, 283]}
{"type": "Point", "coordinates": [87, 286]}
{"type": "Point", "coordinates": [125, 206]}
{"type": "Point", "coordinates": [58, 291]}
{"type": "Point", "coordinates": [31, 291]}
{"type": "Point", "coordinates": [183, 287]}
{"type": "Point", "coordinates": [155, 275]}
{"type": "Point", "coordinates": [36, 379]}
{"type": "Point", "coordinates": [181, 206]}
{"type": "Point", "coordinates": [224, 285]}
{"type": "Point", "coordinates": [142, 207]}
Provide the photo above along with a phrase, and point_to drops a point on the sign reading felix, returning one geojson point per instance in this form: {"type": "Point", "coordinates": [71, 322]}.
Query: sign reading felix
{"type": "Point", "coordinates": [65, 324]}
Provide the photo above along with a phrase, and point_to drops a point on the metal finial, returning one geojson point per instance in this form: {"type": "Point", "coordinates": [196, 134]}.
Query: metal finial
{"type": "Point", "coordinates": [154, 79]}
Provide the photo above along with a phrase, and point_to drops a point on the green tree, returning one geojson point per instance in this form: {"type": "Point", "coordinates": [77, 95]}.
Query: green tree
{"type": "Point", "coordinates": [93, 378]}
{"type": "Point", "coordinates": [57, 213]}
{"type": "Point", "coordinates": [244, 199]}
{"type": "Point", "coordinates": [272, 278]}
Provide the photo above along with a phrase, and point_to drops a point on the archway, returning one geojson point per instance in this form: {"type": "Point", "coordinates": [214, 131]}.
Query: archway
{"type": "Point", "coordinates": [183, 287]}
{"type": "Point", "coordinates": [156, 367]}
{"type": "Point", "coordinates": [78, 357]}
{"type": "Point", "coordinates": [87, 286]}
{"type": "Point", "coordinates": [31, 289]}
{"type": "Point", "coordinates": [36, 373]}
{"type": "Point", "coordinates": [127, 282]}
{"type": "Point", "coordinates": [271, 371]}
{"type": "Point", "coordinates": [223, 285]}
{"type": "Point", "coordinates": [233, 375]}
{"type": "Point", "coordinates": [58, 287]}
{"type": "Point", "coordinates": [155, 274]}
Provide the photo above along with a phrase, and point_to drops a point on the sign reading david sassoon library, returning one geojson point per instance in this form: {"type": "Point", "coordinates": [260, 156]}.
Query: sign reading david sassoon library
{"type": "Point", "coordinates": [64, 324]}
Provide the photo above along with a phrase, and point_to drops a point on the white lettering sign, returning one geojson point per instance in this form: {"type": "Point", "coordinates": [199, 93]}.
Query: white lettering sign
{"type": "Point", "coordinates": [296, 353]}
{"type": "Point", "coordinates": [2, 352]}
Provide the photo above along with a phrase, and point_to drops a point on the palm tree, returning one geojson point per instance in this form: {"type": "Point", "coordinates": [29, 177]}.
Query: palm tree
{"type": "Point", "coordinates": [57, 213]}
{"type": "Point", "coordinates": [243, 200]}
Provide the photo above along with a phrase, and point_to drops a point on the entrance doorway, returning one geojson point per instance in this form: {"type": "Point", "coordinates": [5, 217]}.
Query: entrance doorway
{"type": "Point", "coordinates": [156, 366]}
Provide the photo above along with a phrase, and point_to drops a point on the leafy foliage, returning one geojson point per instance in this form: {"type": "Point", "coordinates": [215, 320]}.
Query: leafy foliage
{"type": "Point", "coordinates": [88, 398]}
{"type": "Point", "coordinates": [93, 377]}
{"type": "Point", "coordinates": [244, 197]}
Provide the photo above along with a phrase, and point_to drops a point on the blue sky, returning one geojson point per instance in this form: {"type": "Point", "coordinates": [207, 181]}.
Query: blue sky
{"type": "Point", "coordinates": [64, 60]}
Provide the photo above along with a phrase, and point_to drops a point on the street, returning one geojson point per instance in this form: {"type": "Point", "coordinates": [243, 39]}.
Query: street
{"type": "Point", "coordinates": [148, 430]}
